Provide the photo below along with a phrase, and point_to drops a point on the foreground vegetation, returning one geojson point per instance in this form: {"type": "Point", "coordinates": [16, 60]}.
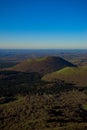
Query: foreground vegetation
{"type": "Point", "coordinates": [62, 111]}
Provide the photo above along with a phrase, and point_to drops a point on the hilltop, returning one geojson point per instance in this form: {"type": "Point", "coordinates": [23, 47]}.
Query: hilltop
{"type": "Point", "coordinates": [42, 65]}
{"type": "Point", "coordinates": [77, 75]}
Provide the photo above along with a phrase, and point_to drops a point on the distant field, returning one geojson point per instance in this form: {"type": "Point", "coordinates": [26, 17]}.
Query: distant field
{"type": "Point", "coordinates": [6, 64]}
{"type": "Point", "coordinates": [77, 75]}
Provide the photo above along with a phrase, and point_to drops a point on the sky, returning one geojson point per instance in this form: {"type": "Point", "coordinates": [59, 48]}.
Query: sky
{"type": "Point", "coordinates": [43, 24]}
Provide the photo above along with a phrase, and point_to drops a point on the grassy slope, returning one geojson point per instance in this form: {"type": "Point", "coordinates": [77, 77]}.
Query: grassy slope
{"type": "Point", "coordinates": [77, 75]}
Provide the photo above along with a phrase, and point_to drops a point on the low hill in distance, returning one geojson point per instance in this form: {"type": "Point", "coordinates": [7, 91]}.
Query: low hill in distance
{"type": "Point", "coordinates": [76, 75]}
{"type": "Point", "coordinates": [42, 65]}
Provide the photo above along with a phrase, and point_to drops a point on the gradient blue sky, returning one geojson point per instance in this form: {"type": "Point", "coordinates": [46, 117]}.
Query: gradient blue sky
{"type": "Point", "coordinates": [36, 24]}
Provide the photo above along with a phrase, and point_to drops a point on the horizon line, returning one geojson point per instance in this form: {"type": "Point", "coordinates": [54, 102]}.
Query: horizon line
{"type": "Point", "coordinates": [43, 48]}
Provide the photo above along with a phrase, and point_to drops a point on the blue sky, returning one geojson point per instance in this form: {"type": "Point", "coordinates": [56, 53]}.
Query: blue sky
{"type": "Point", "coordinates": [43, 24]}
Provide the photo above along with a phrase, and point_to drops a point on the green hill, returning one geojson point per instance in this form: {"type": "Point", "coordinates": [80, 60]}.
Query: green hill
{"type": "Point", "coordinates": [42, 65]}
{"type": "Point", "coordinates": [77, 75]}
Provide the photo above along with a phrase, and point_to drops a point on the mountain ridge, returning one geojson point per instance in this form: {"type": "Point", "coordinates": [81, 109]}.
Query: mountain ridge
{"type": "Point", "coordinates": [42, 65]}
